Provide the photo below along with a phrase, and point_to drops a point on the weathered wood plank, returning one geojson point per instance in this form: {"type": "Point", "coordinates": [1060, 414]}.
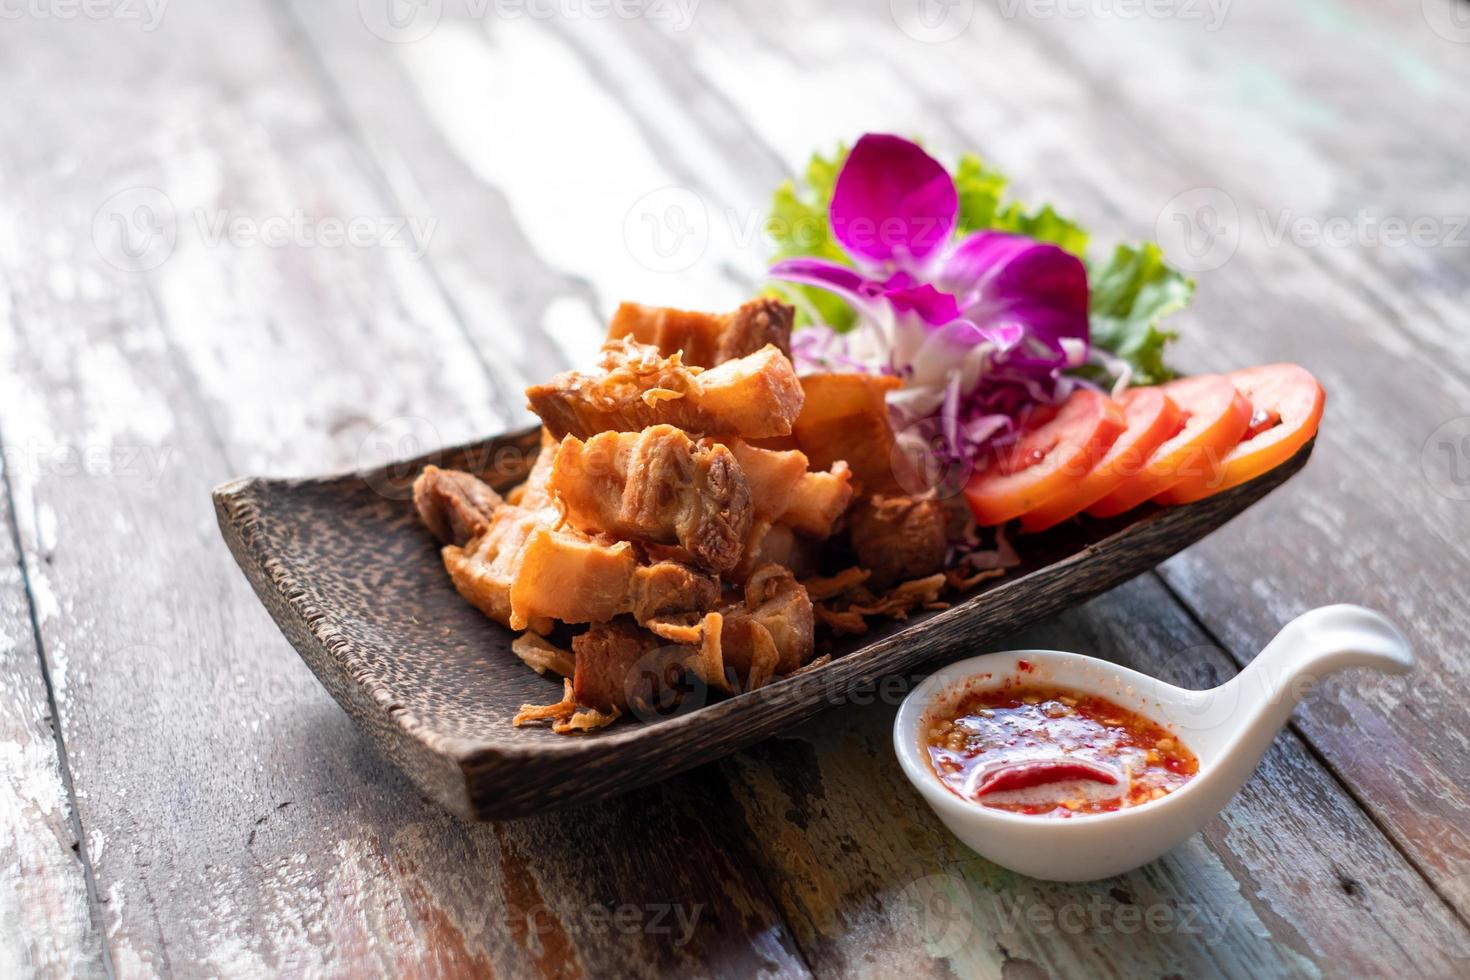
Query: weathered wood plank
{"type": "Point", "coordinates": [241, 824]}
{"type": "Point", "coordinates": [719, 92]}
{"type": "Point", "coordinates": [47, 921]}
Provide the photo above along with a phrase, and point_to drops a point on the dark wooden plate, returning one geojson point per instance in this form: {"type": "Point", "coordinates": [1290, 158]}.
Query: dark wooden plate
{"type": "Point", "coordinates": [357, 586]}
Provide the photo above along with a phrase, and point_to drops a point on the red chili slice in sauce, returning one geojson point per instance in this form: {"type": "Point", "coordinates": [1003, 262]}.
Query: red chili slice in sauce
{"type": "Point", "coordinates": [1025, 775]}
{"type": "Point", "coordinates": [1048, 751]}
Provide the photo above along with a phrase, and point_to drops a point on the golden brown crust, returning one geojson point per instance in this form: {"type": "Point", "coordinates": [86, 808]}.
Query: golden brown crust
{"type": "Point", "coordinates": [756, 396]}
{"type": "Point", "coordinates": [656, 487]}
{"type": "Point", "coordinates": [455, 506]}
{"type": "Point", "coordinates": [707, 339]}
{"type": "Point", "coordinates": [899, 537]}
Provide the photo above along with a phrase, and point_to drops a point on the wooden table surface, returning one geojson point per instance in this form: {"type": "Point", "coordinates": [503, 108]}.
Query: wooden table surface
{"type": "Point", "coordinates": [295, 237]}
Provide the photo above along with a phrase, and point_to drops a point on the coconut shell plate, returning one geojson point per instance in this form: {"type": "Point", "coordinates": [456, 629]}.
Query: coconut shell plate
{"type": "Point", "coordinates": [356, 584]}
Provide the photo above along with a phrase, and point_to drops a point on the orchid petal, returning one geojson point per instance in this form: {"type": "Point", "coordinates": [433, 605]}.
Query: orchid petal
{"type": "Point", "coordinates": [1000, 277]}
{"type": "Point", "coordinates": [834, 277]}
{"type": "Point", "coordinates": [892, 202]}
{"type": "Point", "coordinates": [928, 303]}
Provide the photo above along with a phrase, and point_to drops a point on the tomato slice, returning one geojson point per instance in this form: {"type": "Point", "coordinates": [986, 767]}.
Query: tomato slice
{"type": "Point", "coordinates": [1286, 408]}
{"type": "Point", "coordinates": [1056, 448]}
{"type": "Point", "coordinates": [1151, 417]}
{"type": "Point", "coordinates": [1215, 417]}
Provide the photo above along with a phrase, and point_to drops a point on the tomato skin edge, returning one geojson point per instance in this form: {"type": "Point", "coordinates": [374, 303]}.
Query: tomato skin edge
{"type": "Point", "coordinates": [992, 509]}
{"type": "Point", "coordinates": [1155, 429]}
{"type": "Point", "coordinates": [1244, 463]}
{"type": "Point", "coordinates": [1160, 472]}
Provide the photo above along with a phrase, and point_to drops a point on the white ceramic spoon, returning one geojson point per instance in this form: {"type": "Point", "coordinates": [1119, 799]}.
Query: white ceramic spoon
{"type": "Point", "coordinates": [1228, 728]}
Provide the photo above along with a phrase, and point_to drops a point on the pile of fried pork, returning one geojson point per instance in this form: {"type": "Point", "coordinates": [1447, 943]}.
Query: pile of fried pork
{"type": "Point", "coordinates": [697, 510]}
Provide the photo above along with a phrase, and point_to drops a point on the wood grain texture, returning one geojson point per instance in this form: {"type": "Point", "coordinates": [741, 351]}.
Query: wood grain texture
{"type": "Point", "coordinates": [226, 838]}
{"type": "Point", "coordinates": [338, 560]}
{"type": "Point", "coordinates": [47, 922]}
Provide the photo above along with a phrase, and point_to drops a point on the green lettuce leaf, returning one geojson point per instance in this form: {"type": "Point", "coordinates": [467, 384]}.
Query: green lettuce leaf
{"type": "Point", "coordinates": [1131, 293]}
{"type": "Point", "coordinates": [983, 208]}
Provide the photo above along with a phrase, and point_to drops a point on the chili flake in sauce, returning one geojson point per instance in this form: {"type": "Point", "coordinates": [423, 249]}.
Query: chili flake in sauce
{"type": "Point", "coordinates": [1049, 751]}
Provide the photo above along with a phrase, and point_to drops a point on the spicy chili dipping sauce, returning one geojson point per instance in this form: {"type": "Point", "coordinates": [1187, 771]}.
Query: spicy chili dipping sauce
{"type": "Point", "coordinates": [1049, 751]}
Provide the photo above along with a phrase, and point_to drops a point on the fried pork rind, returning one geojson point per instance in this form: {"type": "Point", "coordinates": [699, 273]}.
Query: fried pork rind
{"type": "Point", "coordinates": [783, 490]}
{"type": "Point", "coordinates": [756, 396]}
{"type": "Point", "coordinates": [566, 716]}
{"type": "Point", "coordinates": [848, 603]}
{"type": "Point", "coordinates": [455, 506]}
{"type": "Point", "coordinates": [657, 486]}
{"type": "Point", "coordinates": [845, 417]}
{"type": "Point", "coordinates": [522, 572]}
{"type": "Point", "coordinates": [706, 339]}
{"type": "Point", "coordinates": [540, 655]}
{"type": "Point", "coordinates": [899, 537]}
{"type": "Point", "coordinates": [770, 631]}
{"type": "Point", "coordinates": [766, 632]}
{"type": "Point", "coordinates": [621, 665]}
{"type": "Point", "coordinates": [694, 452]}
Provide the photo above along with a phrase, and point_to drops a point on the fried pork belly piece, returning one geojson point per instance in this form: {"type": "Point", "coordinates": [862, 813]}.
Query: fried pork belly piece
{"type": "Point", "coordinates": [484, 570]}
{"type": "Point", "coordinates": [783, 490]}
{"type": "Point", "coordinates": [523, 573]}
{"type": "Point", "coordinates": [845, 417]}
{"type": "Point", "coordinates": [657, 486]}
{"type": "Point", "coordinates": [781, 545]}
{"type": "Point", "coordinates": [899, 537]}
{"type": "Point", "coordinates": [767, 632]}
{"type": "Point", "coordinates": [706, 339]}
{"type": "Point", "coordinates": [534, 493]}
{"type": "Point", "coordinates": [770, 632]}
{"type": "Point", "coordinates": [618, 663]}
{"type": "Point", "coordinates": [455, 506]}
{"type": "Point", "coordinates": [756, 396]}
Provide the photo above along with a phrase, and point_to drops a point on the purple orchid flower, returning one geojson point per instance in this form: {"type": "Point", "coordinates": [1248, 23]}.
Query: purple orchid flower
{"type": "Point", "coordinates": [980, 329]}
